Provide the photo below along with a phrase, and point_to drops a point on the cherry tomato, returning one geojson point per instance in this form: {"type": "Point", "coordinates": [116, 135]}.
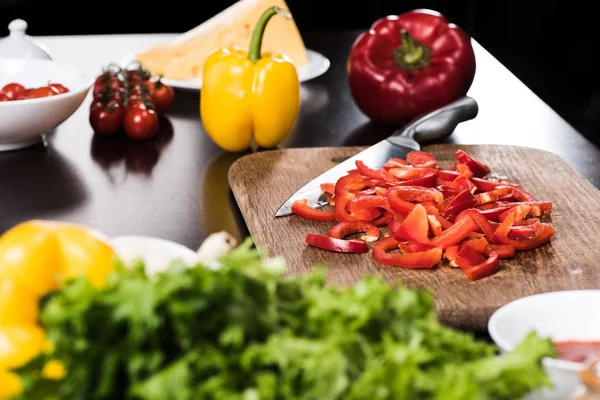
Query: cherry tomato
{"type": "Point", "coordinates": [105, 77]}
{"type": "Point", "coordinates": [107, 120]}
{"type": "Point", "coordinates": [24, 94]}
{"type": "Point", "coordinates": [163, 97]}
{"type": "Point", "coordinates": [4, 97]}
{"type": "Point", "coordinates": [42, 91]}
{"type": "Point", "coordinates": [110, 85]}
{"type": "Point", "coordinates": [12, 90]}
{"type": "Point", "coordinates": [96, 104]}
{"type": "Point", "coordinates": [141, 123]}
{"type": "Point", "coordinates": [60, 88]}
{"type": "Point", "coordinates": [138, 103]}
{"type": "Point", "coordinates": [136, 75]}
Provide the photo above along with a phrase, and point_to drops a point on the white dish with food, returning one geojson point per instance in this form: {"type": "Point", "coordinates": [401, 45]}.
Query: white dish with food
{"type": "Point", "coordinates": [157, 254]}
{"type": "Point", "coordinates": [317, 65]}
{"type": "Point", "coordinates": [24, 122]}
{"type": "Point", "coordinates": [562, 316]}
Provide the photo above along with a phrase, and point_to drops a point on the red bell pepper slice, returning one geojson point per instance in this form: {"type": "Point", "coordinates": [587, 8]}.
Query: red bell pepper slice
{"type": "Point", "coordinates": [421, 159]}
{"type": "Point", "coordinates": [427, 180]}
{"type": "Point", "coordinates": [464, 171]}
{"type": "Point", "coordinates": [304, 210]}
{"type": "Point", "coordinates": [386, 217]}
{"type": "Point", "coordinates": [328, 188]}
{"type": "Point", "coordinates": [337, 245]}
{"type": "Point", "coordinates": [364, 202]}
{"type": "Point", "coordinates": [478, 168]}
{"type": "Point", "coordinates": [479, 244]}
{"type": "Point", "coordinates": [366, 171]}
{"type": "Point", "coordinates": [343, 229]}
{"type": "Point", "coordinates": [434, 225]}
{"type": "Point", "coordinates": [417, 193]}
{"type": "Point", "coordinates": [422, 259]}
{"type": "Point", "coordinates": [462, 183]}
{"type": "Point", "coordinates": [503, 250]}
{"type": "Point", "coordinates": [451, 252]}
{"type": "Point", "coordinates": [394, 162]}
{"type": "Point", "coordinates": [522, 195]}
{"type": "Point", "coordinates": [542, 235]}
{"type": "Point", "coordinates": [474, 265]}
{"type": "Point", "coordinates": [415, 226]}
{"type": "Point", "coordinates": [414, 247]}
{"type": "Point", "coordinates": [481, 222]}
{"type": "Point", "coordinates": [457, 232]}
{"type": "Point", "coordinates": [393, 226]}
{"type": "Point", "coordinates": [461, 201]}
{"type": "Point", "coordinates": [492, 195]}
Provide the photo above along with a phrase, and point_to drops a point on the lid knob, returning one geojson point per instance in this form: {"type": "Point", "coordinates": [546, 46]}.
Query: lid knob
{"type": "Point", "coordinates": [17, 27]}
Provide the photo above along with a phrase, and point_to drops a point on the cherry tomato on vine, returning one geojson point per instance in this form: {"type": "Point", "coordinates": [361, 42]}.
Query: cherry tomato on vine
{"type": "Point", "coordinates": [139, 103]}
{"type": "Point", "coordinates": [24, 94]}
{"type": "Point", "coordinates": [105, 77]}
{"type": "Point", "coordinates": [12, 90]}
{"type": "Point", "coordinates": [140, 123]}
{"type": "Point", "coordinates": [4, 97]}
{"type": "Point", "coordinates": [107, 120]}
{"type": "Point", "coordinates": [163, 96]}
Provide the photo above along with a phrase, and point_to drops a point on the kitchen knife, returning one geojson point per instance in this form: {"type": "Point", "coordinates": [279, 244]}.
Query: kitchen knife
{"type": "Point", "coordinates": [431, 127]}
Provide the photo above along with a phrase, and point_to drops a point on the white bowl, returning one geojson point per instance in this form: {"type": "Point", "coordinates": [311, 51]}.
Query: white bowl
{"type": "Point", "coordinates": [560, 315]}
{"type": "Point", "coordinates": [24, 122]}
{"type": "Point", "coordinates": [156, 253]}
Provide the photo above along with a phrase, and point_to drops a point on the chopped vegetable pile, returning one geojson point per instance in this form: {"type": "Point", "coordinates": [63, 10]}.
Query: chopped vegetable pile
{"type": "Point", "coordinates": [431, 213]}
{"type": "Point", "coordinates": [247, 331]}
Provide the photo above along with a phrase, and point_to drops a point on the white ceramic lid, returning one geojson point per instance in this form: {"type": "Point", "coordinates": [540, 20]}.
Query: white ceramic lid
{"type": "Point", "coordinates": [19, 45]}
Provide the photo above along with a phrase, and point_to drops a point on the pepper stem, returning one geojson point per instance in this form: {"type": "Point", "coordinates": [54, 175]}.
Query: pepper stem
{"type": "Point", "coordinates": [259, 30]}
{"type": "Point", "coordinates": [411, 54]}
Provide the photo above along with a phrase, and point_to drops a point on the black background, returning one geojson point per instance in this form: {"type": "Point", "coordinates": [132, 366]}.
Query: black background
{"type": "Point", "coordinates": [551, 46]}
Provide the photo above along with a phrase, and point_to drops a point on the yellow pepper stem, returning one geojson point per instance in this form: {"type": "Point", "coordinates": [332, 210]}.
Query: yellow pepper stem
{"type": "Point", "coordinates": [259, 30]}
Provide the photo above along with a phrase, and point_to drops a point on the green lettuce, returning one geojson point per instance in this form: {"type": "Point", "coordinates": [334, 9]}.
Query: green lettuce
{"type": "Point", "coordinates": [249, 331]}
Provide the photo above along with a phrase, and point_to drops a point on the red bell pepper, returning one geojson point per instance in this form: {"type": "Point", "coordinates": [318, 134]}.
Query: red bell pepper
{"type": "Point", "coordinates": [421, 259]}
{"type": "Point", "coordinates": [343, 229]}
{"type": "Point", "coordinates": [301, 208]}
{"type": "Point", "coordinates": [415, 226]}
{"type": "Point", "coordinates": [426, 60]}
{"type": "Point", "coordinates": [421, 159]}
{"type": "Point", "coordinates": [338, 245]}
{"type": "Point", "coordinates": [461, 201]}
{"type": "Point", "coordinates": [478, 168]}
{"type": "Point", "coordinates": [474, 265]}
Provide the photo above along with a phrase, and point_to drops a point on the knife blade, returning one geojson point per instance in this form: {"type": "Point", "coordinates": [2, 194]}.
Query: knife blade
{"type": "Point", "coordinates": [429, 128]}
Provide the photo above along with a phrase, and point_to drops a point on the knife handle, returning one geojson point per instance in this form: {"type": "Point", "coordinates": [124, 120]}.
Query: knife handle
{"type": "Point", "coordinates": [440, 123]}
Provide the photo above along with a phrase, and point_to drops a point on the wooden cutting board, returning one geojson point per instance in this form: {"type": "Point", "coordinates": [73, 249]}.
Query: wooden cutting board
{"type": "Point", "coordinates": [261, 182]}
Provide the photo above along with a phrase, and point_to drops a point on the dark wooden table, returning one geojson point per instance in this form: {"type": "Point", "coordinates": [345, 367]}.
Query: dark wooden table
{"type": "Point", "coordinates": [176, 187]}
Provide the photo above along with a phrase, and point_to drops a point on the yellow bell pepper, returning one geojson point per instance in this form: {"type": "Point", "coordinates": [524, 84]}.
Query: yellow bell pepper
{"type": "Point", "coordinates": [20, 344]}
{"type": "Point", "coordinates": [39, 255]}
{"type": "Point", "coordinates": [248, 95]}
{"type": "Point", "coordinates": [18, 305]}
{"type": "Point", "coordinates": [10, 385]}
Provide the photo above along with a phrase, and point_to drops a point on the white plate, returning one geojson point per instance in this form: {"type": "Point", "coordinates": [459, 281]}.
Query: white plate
{"type": "Point", "coordinates": [317, 65]}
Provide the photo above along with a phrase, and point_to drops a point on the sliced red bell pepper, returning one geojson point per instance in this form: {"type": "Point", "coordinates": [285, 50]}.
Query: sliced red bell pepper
{"type": "Point", "coordinates": [393, 226]}
{"type": "Point", "coordinates": [394, 162]}
{"type": "Point", "coordinates": [457, 232]}
{"type": "Point", "coordinates": [522, 195]}
{"type": "Point", "coordinates": [542, 235]}
{"type": "Point", "coordinates": [451, 252]}
{"type": "Point", "coordinates": [462, 183]}
{"type": "Point", "coordinates": [434, 225]}
{"type": "Point", "coordinates": [343, 229]}
{"type": "Point", "coordinates": [386, 217]}
{"type": "Point", "coordinates": [364, 202]}
{"type": "Point", "coordinates": [421, 159]}
{"type": "Point", "coordinates": [492, 195]}
{"type": "Point", "coordinates": [414, 247]}
{"type": "Point", "coordinates": [337, 245]}
{"type": "Point", "coordinates": [328, 188]}
{"type": "Point", "coordinates": [423, 259]}
{"type": "Point", "coordinates": [417, 193]}
{"type": "Point", "coordinates": [427, 180]}
{"type": "Point", "coordinates": [304, 210]}
{"type": "Point", "coordinates": [479, 244]}
{"type": "Point", "coordinates": [478, 168]}
{"type": "Point", "coordinates": [461, 201]}
{"type": "Point", "coordinates": [414, 227]}
{"type": "Point", "coordinates": [464, 171]}
{"type": "Point", "coordinates": [487, 185]}
{"type": "Point", "coordinates": [481, 222]}
{"type": "Point", "coordinates": [366, 171]}
{"type": "Point", "coordinates": [503, 250]}
{"type": "Point", "coordinates": [474, 265]}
